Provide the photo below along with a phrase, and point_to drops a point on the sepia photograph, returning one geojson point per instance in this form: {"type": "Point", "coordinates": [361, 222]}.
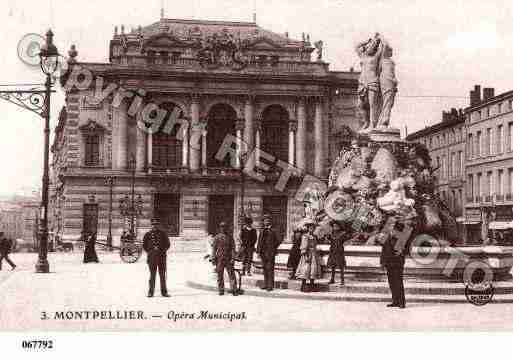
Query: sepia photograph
{"type": "Point", "coordinates": [270, 166]}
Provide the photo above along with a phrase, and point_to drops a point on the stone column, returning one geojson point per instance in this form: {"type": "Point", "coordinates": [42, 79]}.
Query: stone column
{"type": "Point", "coordinates": [140, 148]}
{"type": "Point", "coordinates": [249, 135]}
{"type": "Point", "coordinates": [150, 152]}
{"type": "Point", "coordinates": [301, 135]}
{"type": "Point", "coordinates": [239, 126]}
{"type": "Point", "coordinates": [258, 126]}
{"type": "Point", "coordinates": [185, 146]}
{"type": "Point", "coordinates": [120, 137]}
{"type": "Point", "coordinates": [318, 138]}
{"type": "Point", "coordinates": [195, 135]}
{"type": "Point", "coordinates": [204, 149]}
{"type": "Point", "coordinates": [292, 142]}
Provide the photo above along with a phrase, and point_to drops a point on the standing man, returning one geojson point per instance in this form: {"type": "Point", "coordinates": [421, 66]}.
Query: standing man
{"type": "Point", "coordinates": [223, 255]}
{"type": "Point", "coordinates": [392, 258]}
{"type": "Point", "coordinates": [156, 243]}
{"type": "Point", "coordinates": [5, 249]}
{"type": "Point", "coordinates": [248, 238]}
{"type": "Point", "coordinates": [267, 248]}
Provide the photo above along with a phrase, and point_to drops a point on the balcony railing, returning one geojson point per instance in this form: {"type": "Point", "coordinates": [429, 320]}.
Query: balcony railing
{"type": "Point", "coordinates": [470, 199]}
{"type": "Point", "coordinates": [488, 198]}
{"type": "Point", "coordinates": [478, 199]}
{"type": "Point", "coordinates": [192, 64]}
{"type": "Point", "coordinates": [499, 197]}
{"type": "Point", "coordinates": [508, 197]}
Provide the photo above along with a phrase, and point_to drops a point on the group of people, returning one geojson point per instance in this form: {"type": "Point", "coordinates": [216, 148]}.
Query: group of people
{"type": "Point", "coordinates": [305, 263]}
{"type": "Point", "coordinates": [304, 259]}
{"type": "Point", "coordinates": [224, 253]}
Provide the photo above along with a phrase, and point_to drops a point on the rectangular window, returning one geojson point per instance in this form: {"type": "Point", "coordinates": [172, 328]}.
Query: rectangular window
{"type": "Point", "coordinates": [510, 105]}
{"type": "Point", "coordinates": [470, 146]}
{"type": "Point", "coordinates": [510, 136]}
{"type": "Point", "coordinates": [499, 108]}
{"type": "Point", "coordinates": [509, 185]}
{"type": "Point", "coordinates": [489, 142]}
{"type": "Point", "coordinates": [500, 174]}
{"type": "Point", "coordinates": [478, 144]}
{"type": "Point", "coordinates": [444, 166]}
{"type": "Point", "coordinates": [499, 139]}
{"type": "Point", "coordinates": [489, 184]}
{"type": "Point", "coordinates": [454, 167]}
{"type": "Point", "coordinates": [478, 186]}
{"type": "Point", "coordinates": [470, 187]}
{"type": "Point", "coordinates": [92, 150]}
{"type": "Point", "coordinates": [461, 162]}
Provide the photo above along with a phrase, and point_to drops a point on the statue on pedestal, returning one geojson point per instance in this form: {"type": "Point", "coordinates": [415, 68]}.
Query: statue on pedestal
{"type": "Point", "coordinates": [377, 83]}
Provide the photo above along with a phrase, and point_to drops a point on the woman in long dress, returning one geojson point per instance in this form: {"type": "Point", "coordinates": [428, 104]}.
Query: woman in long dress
{"type": "Point", "coordinates": [310, 263]}
{"type": "Point", "coordinates": [295, 253]}
{"type": "Point", "coordinates": [90, 251]}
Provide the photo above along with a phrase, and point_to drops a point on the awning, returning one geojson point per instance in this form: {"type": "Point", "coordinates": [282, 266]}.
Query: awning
{"type": "Point", "coordinates": [500, 225]}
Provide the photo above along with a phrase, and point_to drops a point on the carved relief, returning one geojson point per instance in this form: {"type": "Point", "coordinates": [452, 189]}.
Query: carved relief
{"type": "Point", "coordinates": [223, 50]}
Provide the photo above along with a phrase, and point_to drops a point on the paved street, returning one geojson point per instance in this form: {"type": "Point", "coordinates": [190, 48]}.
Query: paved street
{"type": "Point", "coordinates": [115, 286]}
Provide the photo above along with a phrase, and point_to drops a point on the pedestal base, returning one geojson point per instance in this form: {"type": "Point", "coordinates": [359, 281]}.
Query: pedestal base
{"type": "Point", "coordinates": [383, 134]}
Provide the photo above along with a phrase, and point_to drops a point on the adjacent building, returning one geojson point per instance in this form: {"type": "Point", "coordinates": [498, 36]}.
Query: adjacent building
{"type": "Point", "coordinates": [446, 144]}
{"type": "Point", "coordinates": [473, 153]}
{"type": "Point", "coordinates": [232, 79]}
{"type": "Point", "coordinates": [489, 167]}
{"type": "Point", "coordinates": [19, 220]}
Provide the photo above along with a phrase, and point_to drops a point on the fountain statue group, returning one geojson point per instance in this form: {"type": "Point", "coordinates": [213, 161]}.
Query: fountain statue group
{"type": "Point", "coordinates": [377, 85]}
{"type": "Point", "coordinates": [380, 180]}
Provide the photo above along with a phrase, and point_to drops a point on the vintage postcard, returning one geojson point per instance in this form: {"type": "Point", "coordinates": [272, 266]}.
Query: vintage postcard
{"type": "Point", "coordinates": [258, 165]}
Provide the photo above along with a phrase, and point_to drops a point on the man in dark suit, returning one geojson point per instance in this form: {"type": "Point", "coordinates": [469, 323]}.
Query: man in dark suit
{"type": "Point", "coordinates": [392, 258]}
{"type": "Point", "coordinates": [248, 237]}
{"type": "Point", "coordinates": [223, 256]}
{"type": "Point", "coordinates": [156, 243]}
{"type": "Point", "coordinates": [5, 249]}
{"type": "Point", "coordinates": [267, 248]}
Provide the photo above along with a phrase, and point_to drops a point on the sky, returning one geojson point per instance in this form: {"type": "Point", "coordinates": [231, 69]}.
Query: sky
{"type": "Point", "coordinates": [441, 49]}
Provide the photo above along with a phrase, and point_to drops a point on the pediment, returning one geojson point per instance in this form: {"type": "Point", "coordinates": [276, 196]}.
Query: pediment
{"type": "Point", "coordinates": [263, 43]}
{"type": "Point", "coordinates": [92, 126]}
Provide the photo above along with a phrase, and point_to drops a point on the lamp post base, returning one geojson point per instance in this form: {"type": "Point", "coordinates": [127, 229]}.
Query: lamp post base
{"type": "Point", "coordinates": [42, 266]}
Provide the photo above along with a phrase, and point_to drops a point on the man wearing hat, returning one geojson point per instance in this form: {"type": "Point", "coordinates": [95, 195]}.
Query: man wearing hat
{"type": "Point", "coordinates": [223, 255]}
{"type": "Point", "coordinates": [248, 237]}
{"type": "Point", "coordinates": [156, 243]}
{"type": "Point", "coordinates": [267, 248]}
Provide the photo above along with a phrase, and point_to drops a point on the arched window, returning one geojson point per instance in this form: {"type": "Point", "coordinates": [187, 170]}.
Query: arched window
{"type": "Point", "coordinates": [274, 138]}
{"type": "Point", "coordinates": [220, 122]}
{"type": "Point", "coordinates": [166, 147]}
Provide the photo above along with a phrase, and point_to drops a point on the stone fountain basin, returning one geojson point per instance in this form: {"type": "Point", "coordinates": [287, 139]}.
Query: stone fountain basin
{"type": "Point", "coordinates": [363, 262]}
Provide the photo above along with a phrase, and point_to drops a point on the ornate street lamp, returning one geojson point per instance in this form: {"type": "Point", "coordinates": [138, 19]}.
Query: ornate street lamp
{"type": "Point", "coordinates": [37, 100]}
{"type": "Point", "coordinates": [109, 181]}
{"type": "Point", "coordinates": [49, 61]}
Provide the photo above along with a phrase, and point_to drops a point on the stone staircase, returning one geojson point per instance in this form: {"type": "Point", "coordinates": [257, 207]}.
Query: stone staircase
{"type": "Point", "coordinates": [356, 290]}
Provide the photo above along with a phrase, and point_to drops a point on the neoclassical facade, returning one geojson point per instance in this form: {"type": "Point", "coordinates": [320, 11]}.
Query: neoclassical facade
{"type": "Point", "coordinates": [171, 96]}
